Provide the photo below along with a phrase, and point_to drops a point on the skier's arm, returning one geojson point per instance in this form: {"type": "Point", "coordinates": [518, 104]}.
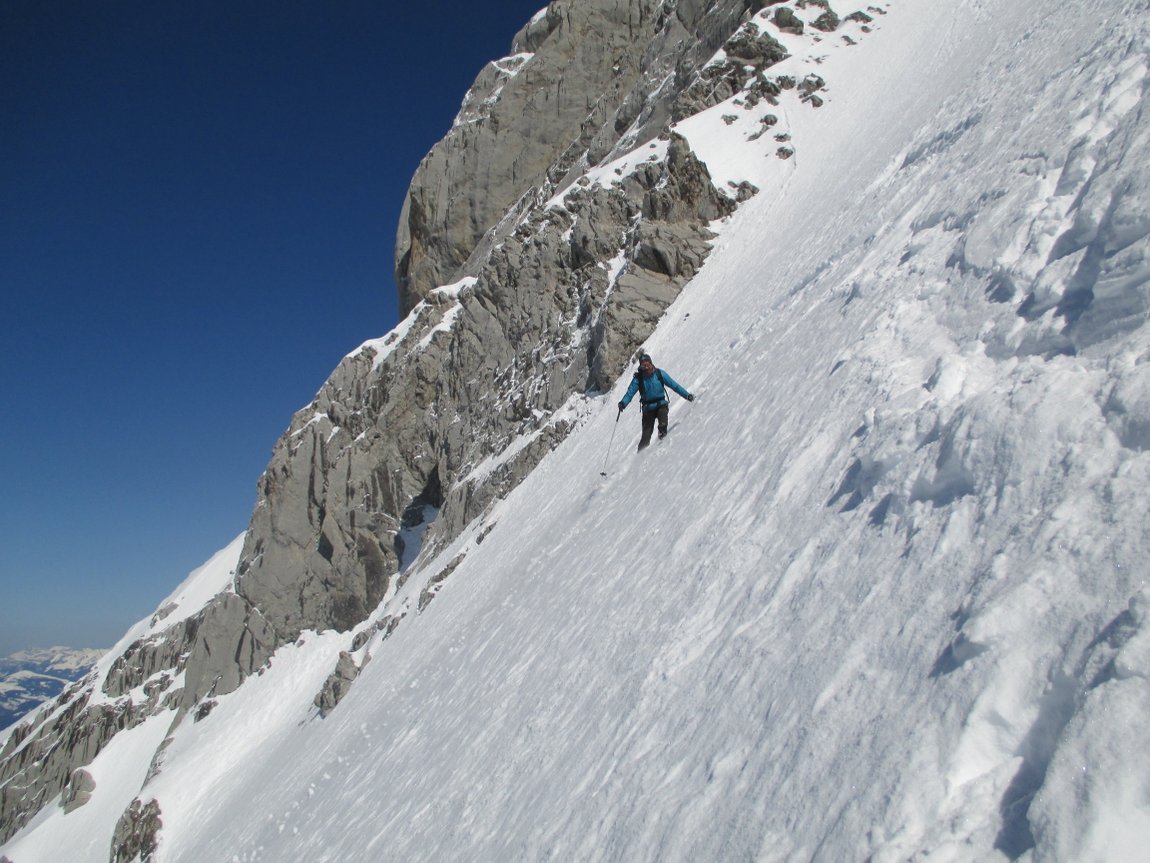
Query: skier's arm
{"type": "Point", "coordinates": [630, 394]}
{"type": "Point", "coordinates": [677, 387]}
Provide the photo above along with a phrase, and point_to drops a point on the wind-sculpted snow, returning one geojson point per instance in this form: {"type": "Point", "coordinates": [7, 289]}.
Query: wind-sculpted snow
{"type": "Point", "coordinates": [880, 595]}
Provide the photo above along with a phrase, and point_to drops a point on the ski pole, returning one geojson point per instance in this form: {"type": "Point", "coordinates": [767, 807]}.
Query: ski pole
{"type": "Point", "coordinates": [613, 429]}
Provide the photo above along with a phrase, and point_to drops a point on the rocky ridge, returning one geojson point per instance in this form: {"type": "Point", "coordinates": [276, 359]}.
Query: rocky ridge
{"type": "Point", "coordinates": [532, 264]}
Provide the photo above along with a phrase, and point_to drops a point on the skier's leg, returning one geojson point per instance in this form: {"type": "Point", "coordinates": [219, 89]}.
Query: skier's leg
{"type": "Point", "coordinates": [648, 427]}
{"type": "Point", "coordinates": [662, 415]}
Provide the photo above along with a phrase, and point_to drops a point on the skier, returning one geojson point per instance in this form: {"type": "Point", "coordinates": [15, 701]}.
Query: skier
{"type": "Point", "coordinates": [652, 383]}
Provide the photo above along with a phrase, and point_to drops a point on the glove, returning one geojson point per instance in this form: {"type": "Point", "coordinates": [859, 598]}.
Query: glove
{"type": "Point", "coordinates": [691, 397]}
{"type": "Point", "coordinates": [622, 405]}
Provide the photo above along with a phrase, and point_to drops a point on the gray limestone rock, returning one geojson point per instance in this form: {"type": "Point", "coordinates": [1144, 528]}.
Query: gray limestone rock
{"type": "Point", "coordinates": [585, 56]}
{"type": "Point", "coordinates": [78, 791]}
{"type": "Point", "coordinates": [595, 79]}
{"type": "Point", "coordinates": [750, 48]}
{"type": "Point", "coordinates": [787, 21]}
{"type": "Point", "coordinates": [337, 684]}
{"type": "Point", "coordinates": [436, 582]}
{"type": "Point", "coordinates": [748, 54]}
{"type": "Point", "coordinates": [41, 757]}
{"type": "Point", "coordinates": [828, 22]}
{"type": "Point", "coordinates": [386, 625]}
{"type": "Point", "coordinates": [135, 837]}
{"type": "Point", "coordinates": [233, 639]}
{"type": "Point", "coordinates": [145, 658]}
{"type": "Point", "coordinates": [536, 31]}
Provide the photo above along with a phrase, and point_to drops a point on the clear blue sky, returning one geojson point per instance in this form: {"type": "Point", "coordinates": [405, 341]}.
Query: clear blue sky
{"type": "Point", "coordinates": [198, 204]}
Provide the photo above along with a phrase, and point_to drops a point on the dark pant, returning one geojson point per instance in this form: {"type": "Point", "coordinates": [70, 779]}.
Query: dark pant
{"type": "Point", "coordinates": [649, 418]}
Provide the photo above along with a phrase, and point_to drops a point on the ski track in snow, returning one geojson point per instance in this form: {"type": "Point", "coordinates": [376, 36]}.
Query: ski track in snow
{"type": "Point", "coordinates": [880, 595]}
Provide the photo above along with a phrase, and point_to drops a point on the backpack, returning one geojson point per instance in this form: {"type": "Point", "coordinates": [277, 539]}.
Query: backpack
{"type": "Point", "coordinates": [650, 404]}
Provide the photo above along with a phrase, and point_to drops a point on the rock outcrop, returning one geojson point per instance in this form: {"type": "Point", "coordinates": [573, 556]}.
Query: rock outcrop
{"type": "Point", "coordinates": [337, 684]}
{"type": "Point", "coordinates": [40, 756]}
{"type": "Point", "coordinates": [79, 790]}
{"type": "Point", "coordinates": [135, 835]}
{"type": "Point", "coordinates": [586, 79]}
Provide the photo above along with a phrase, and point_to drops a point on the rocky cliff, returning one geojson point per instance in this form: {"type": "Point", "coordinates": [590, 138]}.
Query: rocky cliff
{"type": "Point", "coordinates": [540, 243]}
{"type": "Point", "coordinates": [594, 79]}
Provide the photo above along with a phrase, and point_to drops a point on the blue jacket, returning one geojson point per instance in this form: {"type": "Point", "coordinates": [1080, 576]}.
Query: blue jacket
{"type": "Point", "coordinates": [654, 387]}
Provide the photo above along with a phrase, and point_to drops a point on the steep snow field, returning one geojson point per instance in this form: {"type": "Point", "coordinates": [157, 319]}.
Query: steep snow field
{"type": "Point", "coordinates": [881, 595]}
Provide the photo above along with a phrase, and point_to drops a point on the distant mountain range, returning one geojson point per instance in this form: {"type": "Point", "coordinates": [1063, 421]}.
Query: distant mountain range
{"type": "Point", "coordinates": [31, 677]}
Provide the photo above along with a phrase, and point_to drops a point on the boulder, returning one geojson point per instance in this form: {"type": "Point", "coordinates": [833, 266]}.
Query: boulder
{"type": "Point", "coordinates": [787, 21]}
{"type": "Point", "coordinates": [337, 684]}
{"type": "Point", "coordinates": [78, 791]}
{"type": "Point", "coordinates": [135, 838]}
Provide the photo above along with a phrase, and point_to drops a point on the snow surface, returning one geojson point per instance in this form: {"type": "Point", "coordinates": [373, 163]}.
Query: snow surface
{"type": "Point", "coordinates": [881, 595]}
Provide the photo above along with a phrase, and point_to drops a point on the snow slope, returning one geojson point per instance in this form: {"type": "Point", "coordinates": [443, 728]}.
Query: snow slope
{"type": "Point", "coordinates": [881, 595]}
